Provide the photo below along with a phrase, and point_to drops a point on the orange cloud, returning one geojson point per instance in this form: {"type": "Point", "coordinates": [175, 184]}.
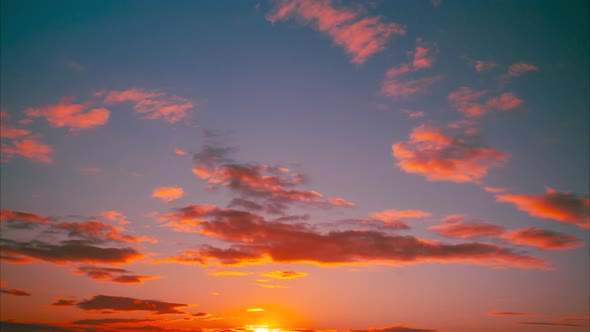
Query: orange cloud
{"type": "Point", "coordinates": [228, 273]}
{"type": "Point", "coordinates": [543, 238]}
{"type": "Point", "coordinates": [396, 328]}
{"type": "Point", "coordinates": [168, 194]}
{"type": "Point", "coordinates": [413, 114]}
{"type": "Point", "coordinates": [29, 148]}
{"type": "Point", "coordinates": [464, 100]}
{"type": "Point", "coordinates": [14, 291]}
{"type": "Point", "coordinates": [340, 202]}
{"type": "Point", "coordinates": [392, 214]}
{"type": "Point", "coordinates": [11, 215]}
{"type": "Point", "coordinates": [440, 157]}
{"type": "Point", "coordinates": [509, 313]}
{"type": "Point", "coordinates": [152, 104]}
{"type": "Point", "coordinates": [63, 302]}
{"type": "Point", "coordinates": [255, 241]}
{"type": "Point", "coordinates": [284, 275]}
{"type": "Point", "coordinates": [495, 190]}
{"type": "Point", "coordinates": [561, 206]}
{"type": "Point", "coordinates": [180, 152]}
{"type": "Point", "coordinates": [458, 227]}
{"type": "Point", "coordinates": [520, 68]}
{"type": "Point", "coordinates": [361, 37]}
{"type": "Point", "coordinates": [73, 116]}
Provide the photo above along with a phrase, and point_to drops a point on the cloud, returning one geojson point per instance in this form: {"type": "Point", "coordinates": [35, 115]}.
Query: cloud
{"type": "Point", "coordinates": [361, 37]}
{"type": "Point", "coordinates": [152, 104]}
{"type": "Point", "coordinates": [29, 148]}
{"type": "Point", "coordinates": [520, 68]}
{"type": "Point", "coordinates": [119, 304]}
{"type": "Point", "coordinates": [228, 273]}
{"type": "Point", "coordinates": [392, 214]}
{"type": "Point", "coordinates": [99, 232]}
{"type": "Point", "coordinates": [396, 328]}
{"type": "Point", "coordinates": [110, 274]}
{"type": "Point", "coordinates": [557, 205]}
{"type": "Point", "coordinates": [27, 327]}
{"type": "Point", "coordinates": [422, 57]}
{"type": "Point", "coordinates": [424, 54]}
{"type": "Point", "coordinates": [509, 313]}
{"type": "Point", "coordinates": [550, 324]}
{"type": "Point", "coordinates": [284, 275]}
{"type": "Point", "coordinates": [413, 114]}
{"type": "Point", "coordinates": [273, 188]}
{"type": "Point", "coordinates": [7, 131]}
{"type": "Point", "coordinates": [168, 194]}
{"type": "Point", "coordinates": [543, 239]}
{"type": "Point", "coordinates": [68, 251]}
{"type": "Point", "coordinates": [254, 240]}
{"type": "Point", "coordinates": [481, 66]}
{"type": "Point", "coordinates": [14, 291]}
{"type": "Point", "coordinates": [495, 190]}
{"type": "Point", "coordinates": [457, 226]}
{"type": "Point", "coordinates": [180, 152]}
{"type": "Point", "coordinates": [12, 215]}
{"type": "Point", "coordinates": [63, 302]}
{"type": "Point", "coordinates": [76, 117]}
{"type": "Point", "coordinates": [115, 216]}
{"type": "Point", "coordinates": [440, 157]}
{"type": "Point", "coordinates": [465, 100]}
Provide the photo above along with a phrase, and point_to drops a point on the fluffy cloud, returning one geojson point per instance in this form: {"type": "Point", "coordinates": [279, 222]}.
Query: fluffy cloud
{"type": "Point", "coordinates": [152, 104]}
{"type": "Point", "coordinates": [73, 116]}
{"type": "Point", "coordinates": [441, 157]}
{"type": "Point", "coordinates": [361, 37]}
{"type": "Point", "coordinates": [254, 240]}
{"type": "Point", "coordinates": [168, 194]}
{"type": "Point", "coordinates": [465, 100]}
{"type": "Point", "coordinates": [557, 205]}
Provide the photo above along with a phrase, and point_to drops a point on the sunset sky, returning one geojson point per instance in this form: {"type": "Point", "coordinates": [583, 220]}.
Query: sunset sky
{"type": "Point", "coordinates": [293, 165]}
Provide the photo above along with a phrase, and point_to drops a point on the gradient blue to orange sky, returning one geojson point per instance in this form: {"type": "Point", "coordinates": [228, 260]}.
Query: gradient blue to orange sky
{"type": "Point", "coordinates": [295, 165]}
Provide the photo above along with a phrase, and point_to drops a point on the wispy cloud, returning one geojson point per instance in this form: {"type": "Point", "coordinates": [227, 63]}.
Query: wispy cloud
{"type": "Point", "coordinates": [562, 206]}
{"type": "Point", "coordinates": [458, 226]}
{"type": "Point", "coordinates": [75, 117]}
{"type": "Point", "coordinates": [441, 157]}
{"type": "Point", "coordinates": [465, 100]}
{"type": "Point", "coordinates": [112, 274]}
{"type": "Point", "coordinates": [360, 35]}
{"type": "Point", "coordinates": [543, 239]}
{"type": "Point", "coordinates": [520, 68]}
{"type": "Point", "coordinates": [152, 104]}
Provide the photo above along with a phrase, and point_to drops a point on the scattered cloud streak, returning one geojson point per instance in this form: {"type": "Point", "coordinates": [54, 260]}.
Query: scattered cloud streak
{"type": "Point", "coordinates": [359, 35]}
{"type": "Point", "coordinates": [152, 104]}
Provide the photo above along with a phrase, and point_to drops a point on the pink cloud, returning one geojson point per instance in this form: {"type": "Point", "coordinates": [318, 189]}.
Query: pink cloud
{"type": "Point", "coordinates": [168, 194]}
{"type": "Point", "coordinates": [361, 37]}
{"type": "Point", "coordinates": [29, 148]}
{"type": "Point", "coordinates": [543, 239]}
{"type": "Point", "coordinates": [423, 55]}
{"type": "Point", "coordinates": [520, 68]}
{"type": "Point", "coordinates": [439, 157]}
{"type": "Point", "coordinates": [465, 101]}
{"type": "Point", "coordinates": [392, 215]}
{"type": "Point", "coordinates": [179, 152]}
{"type": "Point", "coordinates": [73, 116]}
{"type": "Point", "coordinates": [396, 89]}
{"type": "Point", "coordinates": [152, 104]}
{"type": "Point", "coordinates": [413, 114]}
{"type": "Point", "coordinates": [561, 206]}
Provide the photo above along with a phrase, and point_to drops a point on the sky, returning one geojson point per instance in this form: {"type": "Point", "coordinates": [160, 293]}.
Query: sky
{"type": "Point", "coordinates": [295, 165]}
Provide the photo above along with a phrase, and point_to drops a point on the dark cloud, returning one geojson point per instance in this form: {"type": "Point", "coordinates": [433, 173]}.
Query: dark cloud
{"type": "Point", "coordinates": [255, 240]}
{"type": "Point", "coordinates": [111, 274]}
{"type": "Point", "coordinates": [63, 302]}
{"type": "Point", "coordinates": [118, 303]}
